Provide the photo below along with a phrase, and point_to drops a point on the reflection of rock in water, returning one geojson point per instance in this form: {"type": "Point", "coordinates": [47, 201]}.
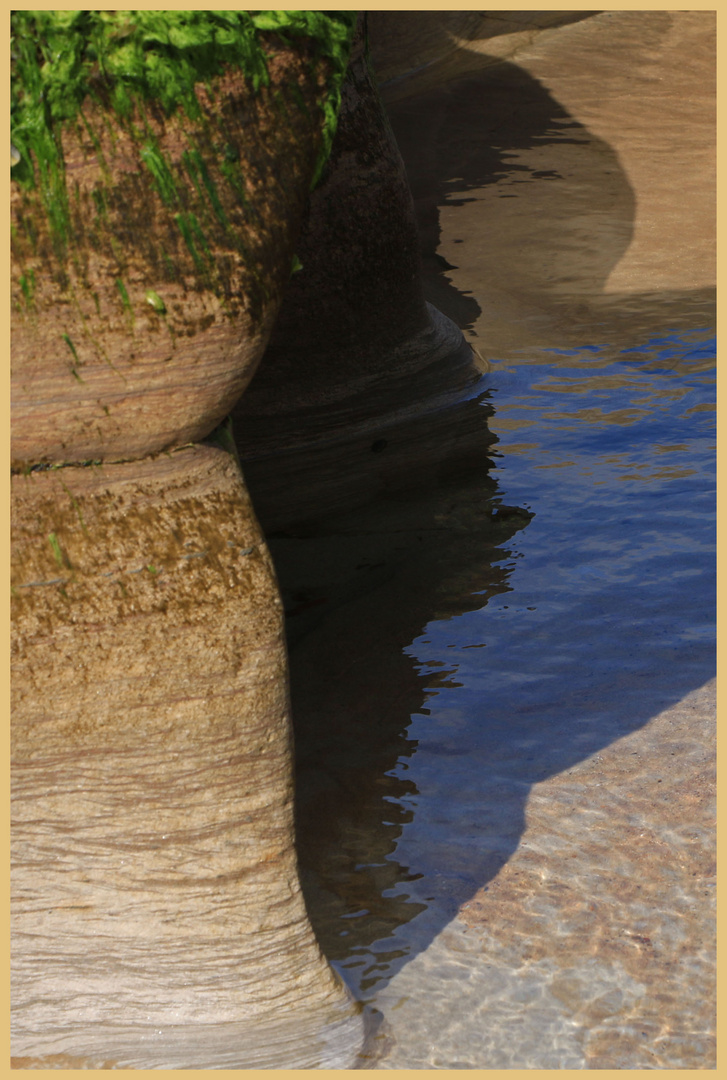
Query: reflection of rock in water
{"type": "Point", "coordinates": [429, 43]}
{"type": "Point", "coordinates": [359, 367]}
{"type": "Point", "coordinates": [480, 138]}
{"type": "Point", "coordinates": [359, 587]}
{"type": "Point", "coordinates": [543, 173]}
{"type": "Point", "coordinates": [309, 460]}
{"type": "Point", "coordinates": [365, 394]}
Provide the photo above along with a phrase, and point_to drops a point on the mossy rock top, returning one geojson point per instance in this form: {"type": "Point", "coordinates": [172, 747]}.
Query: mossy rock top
{"type": "Point", "coordinates": [164, 165]}
{"type": "Point", "coordinates": [61, 58]}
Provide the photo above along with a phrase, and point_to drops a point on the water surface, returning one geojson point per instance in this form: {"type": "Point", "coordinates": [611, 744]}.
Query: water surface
{"type": "Point", "coordinates": [502, 681]}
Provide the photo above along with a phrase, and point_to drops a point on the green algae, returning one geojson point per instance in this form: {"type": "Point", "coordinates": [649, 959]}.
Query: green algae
{"type": "Point", "coordinates": [27, 285]}
{"type": "Point", "coordinates": [123, 294]}
{"type": "Point", "coordinates": [56, 549]}
{"type": "Point", "coordinates": [121, 58]}
{"type": "Point", "coordinates": [157, 165]}
{"type": "Point", "coordinates": [72, 347]}
{"type": "Point", "coordinates": [155, 301]}
{"type": "Point", "coordinates": [199, 174]}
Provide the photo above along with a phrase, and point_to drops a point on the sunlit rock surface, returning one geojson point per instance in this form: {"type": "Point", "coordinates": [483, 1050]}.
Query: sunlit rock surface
{"type": "Point", "coordinates": [157, 916]}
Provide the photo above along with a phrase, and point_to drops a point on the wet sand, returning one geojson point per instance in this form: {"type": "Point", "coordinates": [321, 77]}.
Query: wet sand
{"type": "Point", "coordinates": [592, 947]}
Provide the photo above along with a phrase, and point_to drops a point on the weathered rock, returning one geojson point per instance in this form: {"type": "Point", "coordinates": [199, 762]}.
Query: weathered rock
{"type": "Point", "coordinates": [154, 875]}
{"type": "Point", "coordinates": [157, 914]}
{"type": "Point", "coordinates": [138, 327]}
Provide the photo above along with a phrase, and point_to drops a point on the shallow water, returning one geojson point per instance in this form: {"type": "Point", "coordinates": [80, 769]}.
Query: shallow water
{"type": "Point", "coordinates": [594, 617]}
{"type": "Point", "coordinates": [474, 643]}
{"type": "Point", "coordinates": [502, 682]}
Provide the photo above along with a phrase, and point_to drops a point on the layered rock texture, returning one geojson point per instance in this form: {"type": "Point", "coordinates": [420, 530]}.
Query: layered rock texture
{"type": "Point", "coordinates": [154, 874]}
{"type": "Point", "coordinates": [157, 916]}
{"type": "Point", "coordinates": [158, 920]}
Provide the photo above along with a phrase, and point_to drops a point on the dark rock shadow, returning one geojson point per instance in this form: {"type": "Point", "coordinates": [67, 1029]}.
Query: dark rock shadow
{"type": "Point", "coordinates": [360, 587]}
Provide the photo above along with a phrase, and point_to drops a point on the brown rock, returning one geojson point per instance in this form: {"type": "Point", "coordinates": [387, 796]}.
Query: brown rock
{"type": "Point", "coordinates": [154, 877]}
{"type": "Point", "coordinates": [138, 330]}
